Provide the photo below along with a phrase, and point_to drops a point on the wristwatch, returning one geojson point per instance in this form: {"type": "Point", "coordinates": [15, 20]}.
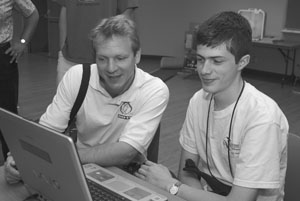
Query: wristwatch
{"type": "Point", "coordinates": [23, 41]}
{"type": "Point", "coordinates": [175, 188]}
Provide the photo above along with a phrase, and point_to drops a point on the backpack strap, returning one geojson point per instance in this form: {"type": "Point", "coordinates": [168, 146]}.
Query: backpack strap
{"type": "Point", "coordinates": [81, 93]}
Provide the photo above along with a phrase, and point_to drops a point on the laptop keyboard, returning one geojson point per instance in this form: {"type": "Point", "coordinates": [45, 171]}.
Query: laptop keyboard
{"type": "Point", "coordinates": [100, 193]}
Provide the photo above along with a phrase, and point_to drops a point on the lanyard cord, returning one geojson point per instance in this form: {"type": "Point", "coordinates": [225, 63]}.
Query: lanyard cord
{"type": "Point", "coordinates": [229, 133]}
{"type": "Point", "coordinates": [207, 125]}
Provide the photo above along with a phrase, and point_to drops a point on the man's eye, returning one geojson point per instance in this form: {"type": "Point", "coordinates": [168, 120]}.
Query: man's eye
{"type": "Point", "coordinates": [200, 60]}
{"type": "Point", "coordinates": [100, 59]}
{"type": "Point", "coordinates": [121, 58]}
{"type": "Point", "coordinates": [218, 61]}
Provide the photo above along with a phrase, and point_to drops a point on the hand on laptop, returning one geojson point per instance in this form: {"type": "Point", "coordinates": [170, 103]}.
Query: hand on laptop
{"type": "Point", "coordinates": [156, 174]}
{"type": "Point", "coordinates": [12, 175]}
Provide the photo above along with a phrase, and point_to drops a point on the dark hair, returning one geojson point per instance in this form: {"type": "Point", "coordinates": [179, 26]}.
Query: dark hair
{"type": "Point", "coordinates": [226, 27]}
{"type": "Point", "coordinates": [118, 25]}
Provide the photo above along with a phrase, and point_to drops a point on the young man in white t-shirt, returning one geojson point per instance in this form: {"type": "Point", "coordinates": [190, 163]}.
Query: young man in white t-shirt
{"type": "Point", "coordinates": [235, 134]}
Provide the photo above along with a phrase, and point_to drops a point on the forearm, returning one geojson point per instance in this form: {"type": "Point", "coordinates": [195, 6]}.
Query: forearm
{"type": "Point", "coordinates": [189, 179]}
{"type": "Point", "coordinates": [237, 193]}
{"type": "Point", "coordinates": [108, 154]}
{"type": "Point", "coordinates": [193, 194]}
{"type": "Point", "coordinates": [30, 24]}
{"type": "Point", "coordinates": [186, 177]}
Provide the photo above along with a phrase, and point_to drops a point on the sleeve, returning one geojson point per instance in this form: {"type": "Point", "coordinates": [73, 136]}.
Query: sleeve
{"type": "Point", "coordinates": [26, 7]}
{"type": "Point", "coordinates": [125, 4]}
{"type": "Point", "coordinates": [141, 128]}
{"type": "Point", "coordinates": [187, 138]}
{"type": "Point", "coordinates": [259, 162]}
{"type": "Point", "coordinates": [58, 112]}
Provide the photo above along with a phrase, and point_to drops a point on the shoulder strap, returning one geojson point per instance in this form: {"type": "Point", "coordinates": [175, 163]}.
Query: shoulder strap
{"type": "Point", "coordinates": [81, 93]}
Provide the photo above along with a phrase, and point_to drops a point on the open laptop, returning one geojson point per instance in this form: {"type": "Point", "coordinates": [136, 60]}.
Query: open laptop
{"type": "Point", "coordinates": [49, 164]}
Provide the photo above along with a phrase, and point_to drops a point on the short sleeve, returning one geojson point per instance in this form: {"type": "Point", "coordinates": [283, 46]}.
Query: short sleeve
{"type": "Point", "coordinates": [259, 162]}
{"type": "Point", "coordinates": [26, 7]}
{"type": "Point", "coordinates": [187, 134]}
{"type": "Point", "coordinates": [57, 114]}
{"type": "Point", "coordinates": [139, 131]}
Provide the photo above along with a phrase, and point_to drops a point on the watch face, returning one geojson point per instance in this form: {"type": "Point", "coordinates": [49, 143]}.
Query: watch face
{"type": "Point", "coordinates": [173, 190]}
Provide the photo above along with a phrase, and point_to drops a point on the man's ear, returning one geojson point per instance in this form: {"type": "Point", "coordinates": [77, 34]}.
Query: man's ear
{"type": "Point", "coordinates": [244, 61]}
{"type": "Point", "coordinates": [138, 56]}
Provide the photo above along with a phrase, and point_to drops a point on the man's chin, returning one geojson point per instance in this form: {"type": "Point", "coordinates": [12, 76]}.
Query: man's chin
{"type": "Point", "coordinates": [208, 89]}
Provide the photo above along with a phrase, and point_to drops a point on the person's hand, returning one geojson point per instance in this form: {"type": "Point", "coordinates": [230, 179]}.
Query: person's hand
{"type": "Point", "coordinates": [12, 175]}
{"type": "Point", "coordinates": [16, 50]}
{"type": "Point", "coordinates": [156, 174]}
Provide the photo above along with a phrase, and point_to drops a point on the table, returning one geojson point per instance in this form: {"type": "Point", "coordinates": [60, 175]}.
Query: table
{"type": "Point", "coordinates": [18, 192]}
{"type": "Point", "coordinates": [287, 49]}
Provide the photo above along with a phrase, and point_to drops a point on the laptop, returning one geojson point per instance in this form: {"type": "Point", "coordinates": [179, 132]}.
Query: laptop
{"type": "Point", "coordinates": [49, 164]}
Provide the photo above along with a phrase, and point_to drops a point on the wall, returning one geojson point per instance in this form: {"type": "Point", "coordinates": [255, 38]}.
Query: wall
{"type": "Point", "coordinates": [162, 25]}
{"type": "Point", "coordinates": [293, 15]}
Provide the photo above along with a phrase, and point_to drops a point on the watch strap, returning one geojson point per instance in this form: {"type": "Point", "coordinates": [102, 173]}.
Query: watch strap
{"type": "Point", "coordinates": [178, 184]}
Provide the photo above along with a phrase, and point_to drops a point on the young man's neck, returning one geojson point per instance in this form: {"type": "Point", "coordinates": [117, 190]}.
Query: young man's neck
{"type": "Point", "coordinates": [226, 98]}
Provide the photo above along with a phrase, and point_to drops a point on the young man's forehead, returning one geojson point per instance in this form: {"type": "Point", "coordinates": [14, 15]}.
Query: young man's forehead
{"type": "Point", "coordinates": [218, 51]}
{"type": "Point", "coordinates": [222, 46]}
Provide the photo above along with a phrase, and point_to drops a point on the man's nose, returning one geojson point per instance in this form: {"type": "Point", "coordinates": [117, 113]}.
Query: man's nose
{"type": "Point", "coordinates": [205, 67]}
{"type": "Point", "coordinates": [111, 66]}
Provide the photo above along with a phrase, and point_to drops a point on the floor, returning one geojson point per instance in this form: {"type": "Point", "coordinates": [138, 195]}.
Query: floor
{"type": "Point", "coordinates": [37, 87]}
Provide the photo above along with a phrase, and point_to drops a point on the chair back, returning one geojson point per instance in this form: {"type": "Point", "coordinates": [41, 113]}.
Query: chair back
{"type": "Point", "coordinates": [292, 180]}
{"type": "Point", "coordinates": [152, 152]}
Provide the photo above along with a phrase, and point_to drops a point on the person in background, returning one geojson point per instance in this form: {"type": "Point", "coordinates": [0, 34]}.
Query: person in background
{"type": "Point", "coordinates": [234, 137]}
{"type": "Point", "coordinates": [11, 51]}
{"type": "Point", "coordinates": [76, 19]}
{"type": "Point", "coordinates": [123, 105]}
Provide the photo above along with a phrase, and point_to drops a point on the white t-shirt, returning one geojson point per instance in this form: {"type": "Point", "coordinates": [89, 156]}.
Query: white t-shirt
{"type": "Point", "coordinates": [258, 148]}
{"type": "Point", "coordinates": [131, 117]}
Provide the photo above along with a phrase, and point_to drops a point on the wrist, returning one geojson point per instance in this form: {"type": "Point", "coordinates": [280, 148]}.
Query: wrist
{"type": "Point", "coordinates": [23, 41]}
{"type": "Point", "coordinates": [173, 188]}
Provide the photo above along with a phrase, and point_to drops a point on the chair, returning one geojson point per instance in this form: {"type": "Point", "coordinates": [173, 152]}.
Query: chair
{"type": "Point", "coordinates": [152, 152]}
{"type": "Point", "coordinates": [292, 180]}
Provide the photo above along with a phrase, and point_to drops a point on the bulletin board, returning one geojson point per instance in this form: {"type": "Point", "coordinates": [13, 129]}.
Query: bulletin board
{"type": "Point", "coordinates": [293, 15]}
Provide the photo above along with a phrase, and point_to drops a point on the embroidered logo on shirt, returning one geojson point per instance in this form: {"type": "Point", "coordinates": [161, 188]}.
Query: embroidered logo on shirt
{"type": "Point", "coordinates": [125, 110]}
{"type": "Point", "coordinates": [234, 148]}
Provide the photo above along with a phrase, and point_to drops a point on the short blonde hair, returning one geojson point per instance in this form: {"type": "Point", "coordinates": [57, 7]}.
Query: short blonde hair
{"type": "Point", "coordinates": [118, 25]}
